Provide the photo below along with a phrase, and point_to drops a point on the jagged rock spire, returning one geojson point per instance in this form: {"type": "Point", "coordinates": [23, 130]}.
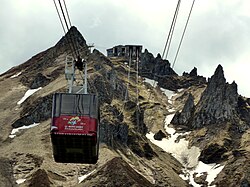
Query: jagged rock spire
{"type": "Point", "coordinates": [218, 78]}
{"type": "Point", "coordinates": [218, 103]}
{"type": "Point", "coordinates": [193, 72]}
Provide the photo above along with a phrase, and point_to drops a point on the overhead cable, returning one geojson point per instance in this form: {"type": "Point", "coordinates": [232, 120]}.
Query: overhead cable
{"type": "Point", "coordinates": [171, 35]}
{"type": "Point", "coordinates": [59, 17]}
{"type": "Point", "coordinates": [183, 34]}
{"type": "Point", "coordinates": [171, 30]}
{"type": "Point", "coordinates": [67, 12]}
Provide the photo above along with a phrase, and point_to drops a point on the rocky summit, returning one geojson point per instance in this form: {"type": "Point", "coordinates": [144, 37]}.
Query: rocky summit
{"type": "Point", "coordinates": [194, 123]}
{"type": "Point", "coordinates": [218, 104]}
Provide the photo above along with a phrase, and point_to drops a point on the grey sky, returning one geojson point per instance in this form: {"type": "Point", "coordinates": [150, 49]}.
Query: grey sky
{"type": "Point", "coordinates": [218, 32]}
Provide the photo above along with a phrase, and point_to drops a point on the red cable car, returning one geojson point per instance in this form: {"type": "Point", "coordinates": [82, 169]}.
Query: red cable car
{"type": "Point", "coordinates": [74, 130]}
{"type": "Point", "coordinates": [75, 122]}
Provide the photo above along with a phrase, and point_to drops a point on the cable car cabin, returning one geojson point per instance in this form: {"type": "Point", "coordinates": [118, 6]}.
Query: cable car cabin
{"type": "Point", "coordinates": [75, 128]}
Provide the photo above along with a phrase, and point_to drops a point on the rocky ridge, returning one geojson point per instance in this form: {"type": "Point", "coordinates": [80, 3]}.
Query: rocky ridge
{"type": "Point", "coordinates": [121, 136]}
{"type": "Point", "coordinates": [213, 112]}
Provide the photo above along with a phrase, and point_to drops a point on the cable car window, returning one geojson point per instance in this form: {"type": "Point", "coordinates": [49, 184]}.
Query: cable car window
{"type": "Point", "coordinates": [56, 105]}
{"type": "Point", "coordinates": [83, 104]}
{"type": "Point", "coordinates": [68, 104]}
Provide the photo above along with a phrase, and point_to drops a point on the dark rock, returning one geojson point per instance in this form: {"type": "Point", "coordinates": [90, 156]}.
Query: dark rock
{"type": "Point", "coordinates": [159, 135]}
{"type": "Point", "coordinates": [40, 178]}
{"type": "Point", "coordinates": [218, 102]}
{"type": "Point", "coordinates": [103, 88]}
{"type": "Point", "coordinates": [39, 81]}
{"type": "Point", "coordinates": [115, 115]}
{"type": "Point", "coordinates": [152, 67]}
{"type": "Point", "coordinates": [149, 153]}
{"type": "Point", "coordinates": [107, 84]}
{"type": "Point", "coordinates": [239, 153]}
{"type": "Point", "coordinates": [138, 120]}
{"type": "Point", "coordinates": [175, 82]}
{"type": "Point", "coordinates": [129, 105]}
{"type": "Point", "coordinates": [193, 73]}
{"type": "Point", "coordinates": [98, 67]}
{"type": "Point", "coordinates": [184, 116]}
{"type": "Point", "coordinates": [217, 105]}
{"type": "Point", "coordinates": [65, 43]}
{"type": "Point", "coordinates": [112, 129]}
{"type": "Point", "coordinates": [212, 154]}
{"type": "Point", "coordinates": [244, 109]}
{"type": "Point", "coordinates": [35, 112]}
{"type": "Point", "coordinates": [139, 146]}
{"type": "Point", "coordinates": [201, 179]}
{"type": "Point", "coordinates": [111, 134]}
{"type": "Point", "coordinates": [97, 56]}
{"type": "Point", "coordinates": [147, 63]}
{"type": "Point", "coordinates": [245, 183]}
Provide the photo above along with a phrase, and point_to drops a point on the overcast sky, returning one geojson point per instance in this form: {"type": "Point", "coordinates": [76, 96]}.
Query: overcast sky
{"type": "Point", "coordinates": [218, 31]}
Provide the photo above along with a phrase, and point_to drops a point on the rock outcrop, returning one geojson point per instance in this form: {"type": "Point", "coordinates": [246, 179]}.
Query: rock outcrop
{"type": "Point", "coordinates": [35, 112]}
{"type": "Point", "coordinates": [175, 82]}
{"type": "Point", "coordinates": [193, 73]}
{"type": "Point", "coordinates": [116, 172]}
{"type": "Point", "coordinates": [213, 154]}
{"type": "Point", "coordinates": [183, 117]}
{"type": "Point", "coordinates": [217, 104]}
{"type": "Point", "coordinates": [112, 129]}
{"type": "Point", "coordinates": [152, 67]}
{"type": "Point", "coordinates": [159, 135]}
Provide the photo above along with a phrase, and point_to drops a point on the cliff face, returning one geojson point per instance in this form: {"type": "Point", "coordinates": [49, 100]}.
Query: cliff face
{"type": "Point", "coordinates": [153, 67]}
{"type": "Point", "coordinates": [160, 70]}
{"type": "Point", "coordinates": [218, 104]}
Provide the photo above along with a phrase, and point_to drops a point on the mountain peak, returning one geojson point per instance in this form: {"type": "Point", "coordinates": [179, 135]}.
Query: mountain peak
{"type": "Point", "coordinates": [218, 77]}
{"type": "Point", "coordinates": [72, 39]}
{"type": "Point", "coordinates": [217, 104]}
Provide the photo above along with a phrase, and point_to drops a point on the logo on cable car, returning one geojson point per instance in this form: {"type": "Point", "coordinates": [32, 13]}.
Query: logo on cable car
{"type": "Point", "coordinates": [74, 120]}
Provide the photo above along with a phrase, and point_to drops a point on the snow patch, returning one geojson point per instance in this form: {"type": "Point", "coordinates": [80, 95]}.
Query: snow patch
{"type": "Point", "coordinates": [179, 149]}
{"type": "Point", "coordinates": [152, 82]}
{"type": "Point", "coordinates": [188, 157]}
{"type": "Point", "coordinates": [171, 110]}
{"type": "Point", "coordinates": [168, 120]}
{"type": "Point", "coordinates": [82, 178]}
{"type": "Point", "coordinates": [212, 171]}
{"type": "Point", "coordinates": [180, 90]}
{"type": "Point", "coordinates": [16, 75]}
{"type": "Point", "coordinates": [20, 181]}
{"type": "Point", "coordinates": [28, 94]}
{"type": "Point", "coordinates": [15, 130]}
{"type": "Point", "coordinates": [169, 94]}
